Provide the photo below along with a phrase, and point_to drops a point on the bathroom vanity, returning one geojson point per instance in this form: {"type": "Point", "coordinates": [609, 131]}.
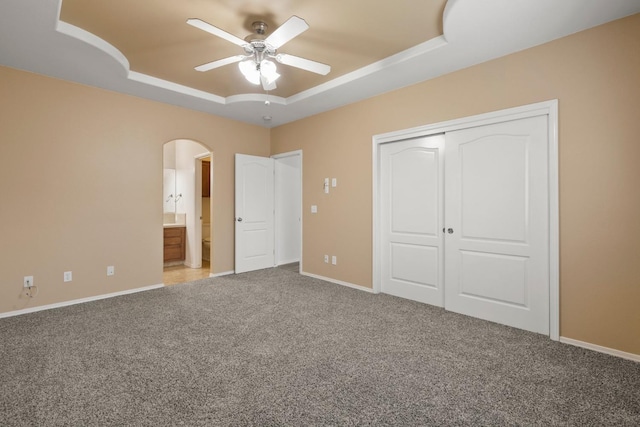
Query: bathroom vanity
{"type": "Point", "coordinates": [174, 243]}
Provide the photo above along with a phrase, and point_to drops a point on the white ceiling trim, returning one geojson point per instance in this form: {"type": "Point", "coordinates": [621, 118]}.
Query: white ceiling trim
{"type": "Point", "coordinates": [104, 46]}
{"type": "Point", "coordinates": [394, 60]}
{"type": "Point", "coordinates": [93, 40]}
{"type": "Point", "coordinates": [134, 76]}
{"type": "Point", "coordinates": [34, 39]}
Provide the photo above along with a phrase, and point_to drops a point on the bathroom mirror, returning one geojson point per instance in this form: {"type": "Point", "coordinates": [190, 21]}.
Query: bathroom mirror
{"type": "Point", "coordinates": [169, 190]}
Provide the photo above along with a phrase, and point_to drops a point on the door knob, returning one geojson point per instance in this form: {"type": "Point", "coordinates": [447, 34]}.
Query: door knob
{"type": "Point", "coordinates": [450, 230]}
{"type": "Point", "coordinates": [239, 219]}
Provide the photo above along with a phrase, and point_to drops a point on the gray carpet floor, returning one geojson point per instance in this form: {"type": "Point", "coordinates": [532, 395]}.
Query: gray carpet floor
{"type": "Point", "coordinates": [294, 267]}
{"type": "Point", "coordinates": [277, 348]}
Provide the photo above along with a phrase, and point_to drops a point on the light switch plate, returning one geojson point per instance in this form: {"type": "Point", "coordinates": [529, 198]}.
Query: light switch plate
{"type": "Point", "coordinates": [68, 276]}
{"type": "Point", "coordinates": [28, 281]}
{"type": "Point", "coordinates": [314, 209]}
{"type": "Point", "coordinates": [334, 182]}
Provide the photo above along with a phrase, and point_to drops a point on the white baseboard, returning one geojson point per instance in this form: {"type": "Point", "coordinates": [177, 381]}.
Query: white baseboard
{"type": "Point", "coordinates": [224, 273]}
{"type": "Point", "coordinates": [78, 301]}
{"type": "Point", "coordinates": [290, 261]}
{"type": "Point", "coordinates": [337, 282]}
{"type": "Point", "coordinates": [600, 349]}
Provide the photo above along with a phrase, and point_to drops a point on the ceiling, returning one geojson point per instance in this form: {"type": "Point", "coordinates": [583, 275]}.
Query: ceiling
{"type": "Point", "coordinates": [154, 37]}
{"type": "Point", "coordinates": [145, 48]}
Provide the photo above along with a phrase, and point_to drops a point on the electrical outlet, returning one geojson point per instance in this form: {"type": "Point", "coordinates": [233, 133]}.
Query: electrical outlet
{"type": "Point", "coordinates": [28, 281]}
{"type": "Point", "coordinates": [68, 276]}
{"type": "Point", "coordinates": [111, 270]}
{"type": "Point", "coordinates": [334, 182]}
{"type": "Point", "coordinates": [326, 259]}
{"type": "Point", "coordinates": [334, 260]}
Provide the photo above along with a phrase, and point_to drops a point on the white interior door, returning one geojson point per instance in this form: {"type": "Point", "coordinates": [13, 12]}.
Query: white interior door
{"type": "Point", "coordinates": [497, 220]}
{"type": "Point", "coordinates": [254, 213]}
{"type": "Point", "coordinates": [411, 191]}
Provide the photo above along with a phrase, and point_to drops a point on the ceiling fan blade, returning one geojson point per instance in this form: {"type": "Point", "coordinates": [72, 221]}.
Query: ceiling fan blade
{"type": "Point", "coordinates": [219, 63]}
{"type": "Point", "coordinates": [285, 32]}
{"type": "Point", "coordinates": [205, 26]}
{"type": "Point", "coordinates": [305, 64]}
{"type": "Point", "coordinates": [266, 85]}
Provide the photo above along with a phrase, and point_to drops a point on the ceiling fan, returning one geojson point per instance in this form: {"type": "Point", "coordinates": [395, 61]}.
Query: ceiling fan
{"type": "Point", "coordinates": [256, 64]}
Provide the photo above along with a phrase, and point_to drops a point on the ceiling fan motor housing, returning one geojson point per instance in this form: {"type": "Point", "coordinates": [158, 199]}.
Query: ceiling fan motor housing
{"type": "Point", "coordinates": [259, 49]}
{"type": "Point", "coordinates": [259, 27]}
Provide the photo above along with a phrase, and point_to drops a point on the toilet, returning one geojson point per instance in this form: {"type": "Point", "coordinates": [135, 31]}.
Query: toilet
{"type": "Point", "coordinates": [206, 241]}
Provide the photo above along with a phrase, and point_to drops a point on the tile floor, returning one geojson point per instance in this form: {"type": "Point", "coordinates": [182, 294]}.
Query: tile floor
{"type": "Point", "coordinates": [182, 273]}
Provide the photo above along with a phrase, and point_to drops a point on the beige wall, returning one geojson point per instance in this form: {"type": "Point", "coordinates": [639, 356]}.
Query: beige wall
{"type": "Point", "coordinates": [81, 186]}
{"type": "Point", "coordinates": [595, 75]}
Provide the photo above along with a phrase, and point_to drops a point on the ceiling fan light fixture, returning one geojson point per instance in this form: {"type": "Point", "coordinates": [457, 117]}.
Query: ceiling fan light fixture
{"type": "Point", "coordinates": [268, 71]}
{"type": "Point", "coordinates": [250, 71]}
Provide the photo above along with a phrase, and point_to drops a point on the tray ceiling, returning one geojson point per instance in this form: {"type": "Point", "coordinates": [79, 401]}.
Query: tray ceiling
{"type": "Point", "coordinates": [348, 35]}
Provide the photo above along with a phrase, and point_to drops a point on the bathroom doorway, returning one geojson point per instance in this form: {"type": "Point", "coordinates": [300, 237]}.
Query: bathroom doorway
{"type": "Point", "coordinates": [183, 211]}
{"type": "Point", "coordinates": [203, 175]}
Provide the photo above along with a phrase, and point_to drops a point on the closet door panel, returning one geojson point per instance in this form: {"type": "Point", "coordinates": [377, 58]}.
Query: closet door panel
{"type": "Point", "coordinates": [496, 207]}
{"type": "Point", "coordinates": [411, 185]}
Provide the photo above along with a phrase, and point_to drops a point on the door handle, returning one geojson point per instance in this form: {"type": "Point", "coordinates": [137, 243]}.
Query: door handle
{"type": "Point", "coordinates": [450, 230]}
{"type": "Point", "coordinates": [239, 219]}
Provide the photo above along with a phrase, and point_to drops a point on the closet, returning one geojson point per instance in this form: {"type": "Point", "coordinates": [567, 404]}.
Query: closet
{"type": "Point", "coordinates": [463, 220]}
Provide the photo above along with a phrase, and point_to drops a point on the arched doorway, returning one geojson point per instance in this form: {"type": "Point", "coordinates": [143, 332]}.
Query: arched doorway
{"type": "Point", "coordinates": [187, 225]}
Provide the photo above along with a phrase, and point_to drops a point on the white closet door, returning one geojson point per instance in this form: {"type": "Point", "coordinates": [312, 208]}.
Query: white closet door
{"type": "Point", "coordinates": [254, 213]}
{"type": "Point", "coordinates": [411, 186]}
{"type": "Point", "coordinates": [497, 220]}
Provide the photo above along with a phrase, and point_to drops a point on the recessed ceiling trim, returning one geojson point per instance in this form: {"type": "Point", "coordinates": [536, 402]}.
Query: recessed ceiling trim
{"type": "Point", "coordinates": [253, 97]}
{"type": "Point", "coordinates": [92, 40]}
{"type": "Point", "coordinates": [174, 87]}
{"type": "Point", "coordinates": [99, 43]}
{"type": "Point", "coordinates": [109, 49]}
{"type": "Point", "coordinates": [393, 60]}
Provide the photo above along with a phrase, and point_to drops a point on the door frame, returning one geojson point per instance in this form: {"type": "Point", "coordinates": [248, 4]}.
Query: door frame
{"type": "Point", "coordinates": [275, 157]}
{"type": "Point", "coordinates": [197, 214]}
{"type": "Point", "coordinates": [546, 108]}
